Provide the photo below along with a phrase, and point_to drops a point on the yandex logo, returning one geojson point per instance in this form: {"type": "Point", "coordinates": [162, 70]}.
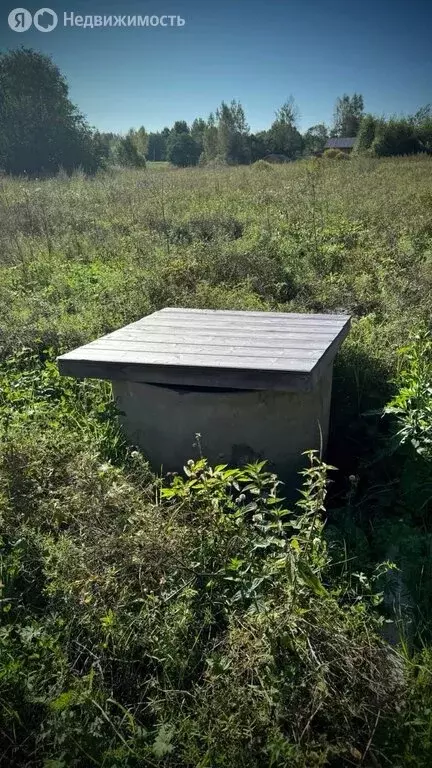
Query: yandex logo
{"type": "Point", "coordinates": [20, 20]}
{"type": "Point", "coordinates": [45, 20]}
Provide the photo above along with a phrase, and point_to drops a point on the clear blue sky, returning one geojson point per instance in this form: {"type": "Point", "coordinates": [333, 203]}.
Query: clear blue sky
{"type": "Point", "coordinates": [258, 51]}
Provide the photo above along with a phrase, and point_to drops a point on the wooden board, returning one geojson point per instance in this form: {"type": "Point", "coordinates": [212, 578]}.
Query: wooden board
{"type": "Point", "coordinates": [214, 348]}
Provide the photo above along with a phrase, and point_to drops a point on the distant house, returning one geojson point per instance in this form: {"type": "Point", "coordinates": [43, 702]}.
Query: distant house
{"type": "Point", "coordinates": [344, 144]}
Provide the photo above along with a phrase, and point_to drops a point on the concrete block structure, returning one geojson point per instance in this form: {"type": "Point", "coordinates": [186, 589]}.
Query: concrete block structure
{"type": "Point", "coordinates": [253, 385]}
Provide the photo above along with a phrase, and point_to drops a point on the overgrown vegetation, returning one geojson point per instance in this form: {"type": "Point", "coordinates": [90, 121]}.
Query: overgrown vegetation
{"type": "Point", "coordinates": [397, 136]}
{"type": "Point", "coordinates": [198, 621]}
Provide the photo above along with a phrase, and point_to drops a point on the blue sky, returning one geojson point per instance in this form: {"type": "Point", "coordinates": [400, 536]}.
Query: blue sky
{"type": "Point", "coordinates": [258, 51]}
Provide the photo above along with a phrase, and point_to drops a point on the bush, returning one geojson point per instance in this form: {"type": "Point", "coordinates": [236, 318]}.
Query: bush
{"type": "Point", "coordinates": [412, 406]}
{"type": "Point", "coordinates": [335, 154]}
{"type": "Point", "coordinates": [126, 154]}
{"type": "Point", "coordinates": [262, 166]}
{"type": "Point", "coordinates": [366, 133]}
{"type": "Point", "coordinates": [424, 134]}
{"type": "Point", "coordinates": [395, 137]}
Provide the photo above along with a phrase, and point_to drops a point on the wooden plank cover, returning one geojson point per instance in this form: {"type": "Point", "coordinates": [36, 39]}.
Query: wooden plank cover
{"type": "Point", "coordinates": [214, 348]}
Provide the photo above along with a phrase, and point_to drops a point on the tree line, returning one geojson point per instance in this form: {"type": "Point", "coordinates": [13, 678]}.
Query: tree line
{"type": "Point", "coordinates": [41, 131]}
{"type": "Point", "coordinates": [225, 137]}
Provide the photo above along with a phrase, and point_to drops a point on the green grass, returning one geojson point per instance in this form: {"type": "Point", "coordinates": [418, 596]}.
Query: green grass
{"type": "Point", "coordinates": [205, 625]}
{"type": "Point", "coordinates": [158, 165]}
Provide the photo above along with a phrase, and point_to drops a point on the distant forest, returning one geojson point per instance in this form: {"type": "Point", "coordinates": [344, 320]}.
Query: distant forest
{"type": "Point", "coordinates": [41, 131]}
{"type": "Point", "coordinates": [224, 137]}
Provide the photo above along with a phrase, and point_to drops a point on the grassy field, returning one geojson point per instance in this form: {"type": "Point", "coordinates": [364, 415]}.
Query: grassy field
{"type": "Point", "coordinates": [158, 165]}
{"type": "Point", "coordinates": [205, 625]}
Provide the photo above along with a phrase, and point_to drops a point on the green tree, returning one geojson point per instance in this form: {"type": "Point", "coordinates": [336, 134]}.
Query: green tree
{"type": "Point", "coordinates": [140, 140]}
{"type": "Point", "coordinates": [105, 142]}
{"type": "Point", "coordinates": [156, 147]}
{"type": "Point", "coordinates": [422, 120]}
{"type": "Point", "coordinates": [108, 141]}
{"type": "Point", "coordinates": [283, 136]}
{"type": "Point", "coordinates": [180, 126]}
{"type": "Point", "coordinates": [197, 131]}
{"type": "Point", "coordinates": [366, 133]}
{"type": "Point", "coordinates": [285, 140]}
{"type": "Point", "coordinates": [315, 138]}
{"type": "Point", "coordinates": [232, 133]}
{"type": "Point", "coordinates": [259, 145]}
{"type": "Point", "coordinates": [424, 134]}
{"type": "Point", "coordinates": [395, 137]}
{"type": "Point", "coordinates": [40, 129]}
{"type": "Point", "coordinates": [210, 140]}
{"type": "Point", "coordinates": [347, 115]}
{"type": "Point", "coordinates": [125, 153]}
{"type": "Point", "coordinates": [288, 113]}
{"type": "Point", "coordinates": [183, 150]}
{"type": "Point", "coordinates": [424, 114]}
{"type": "Point", "coordinates": [165, 133]}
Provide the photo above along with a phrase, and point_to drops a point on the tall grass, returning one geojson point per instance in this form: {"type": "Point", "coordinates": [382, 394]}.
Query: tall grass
{"type": "Point", "coordinates": [204, 624]}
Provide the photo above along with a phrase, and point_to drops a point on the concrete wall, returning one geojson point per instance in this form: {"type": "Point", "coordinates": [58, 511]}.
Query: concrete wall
{"type": "Point", "coordinates": [235, 426]}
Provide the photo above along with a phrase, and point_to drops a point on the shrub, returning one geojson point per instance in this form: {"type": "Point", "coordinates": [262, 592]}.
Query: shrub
{"type": "Point", "coordinates": [126, 154]}
{"type": "Point", "coordinates": [200, 228]}
{"type": "Point", "coordinates": [335, 154]}
{"type": "Point", "coordinates": [366, 134]}
{"type": "Point", "coordinates": [395, 137]}
{"type": "Point", "coordinates": [424, 133]}
{"type": "Point", "coordinates": [262, 166]}
{"type": "Point", "coordinates": [412, 406]}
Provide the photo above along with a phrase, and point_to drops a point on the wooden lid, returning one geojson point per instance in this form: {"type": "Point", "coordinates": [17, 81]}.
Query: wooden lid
{"type": "Point", "coordinates": [214, 348]}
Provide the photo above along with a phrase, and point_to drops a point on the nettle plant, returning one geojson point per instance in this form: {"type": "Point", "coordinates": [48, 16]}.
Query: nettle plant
{"type": "Point", "coordinates": [412, 405]}
{"type": "Point", "coordinates": [253, 540]}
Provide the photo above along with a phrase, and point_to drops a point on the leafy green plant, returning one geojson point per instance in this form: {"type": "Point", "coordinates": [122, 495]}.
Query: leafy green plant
{"type": "Point", "coordinates": [131, 616]}
{"type": "Point", "coordinates": [32, 391]}
{"type": "Point", "coordinates": [249, 510]}
{"type": "Point", "coordinates": [412, 406]}
{"type": "Point", "coordinates": [335, 154]}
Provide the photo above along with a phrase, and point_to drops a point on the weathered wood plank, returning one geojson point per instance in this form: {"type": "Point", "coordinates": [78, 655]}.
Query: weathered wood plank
{"type": "Point", "coordinates": [226, 322]}
{"type": "Point", "coordinates": [190, 377]}
{"type": "Point", "coordinates": [221, 348]}
{"type": "Point", "coordinates": [321, 340]}
{"type": "Point", "coordinates": [220, 329]}
{"type": "Point", "coordinates": [290, 341]}
{"type": "Point", "coordinates": [190, 360]}
{"type": "Point", "coordinates": [304, 316]}
{"type": "Point", "coordinates": [213, 350]}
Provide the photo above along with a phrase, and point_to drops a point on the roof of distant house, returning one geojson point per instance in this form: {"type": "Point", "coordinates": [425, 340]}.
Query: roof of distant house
{"type": "Point", "coordinates": [340, 143]}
